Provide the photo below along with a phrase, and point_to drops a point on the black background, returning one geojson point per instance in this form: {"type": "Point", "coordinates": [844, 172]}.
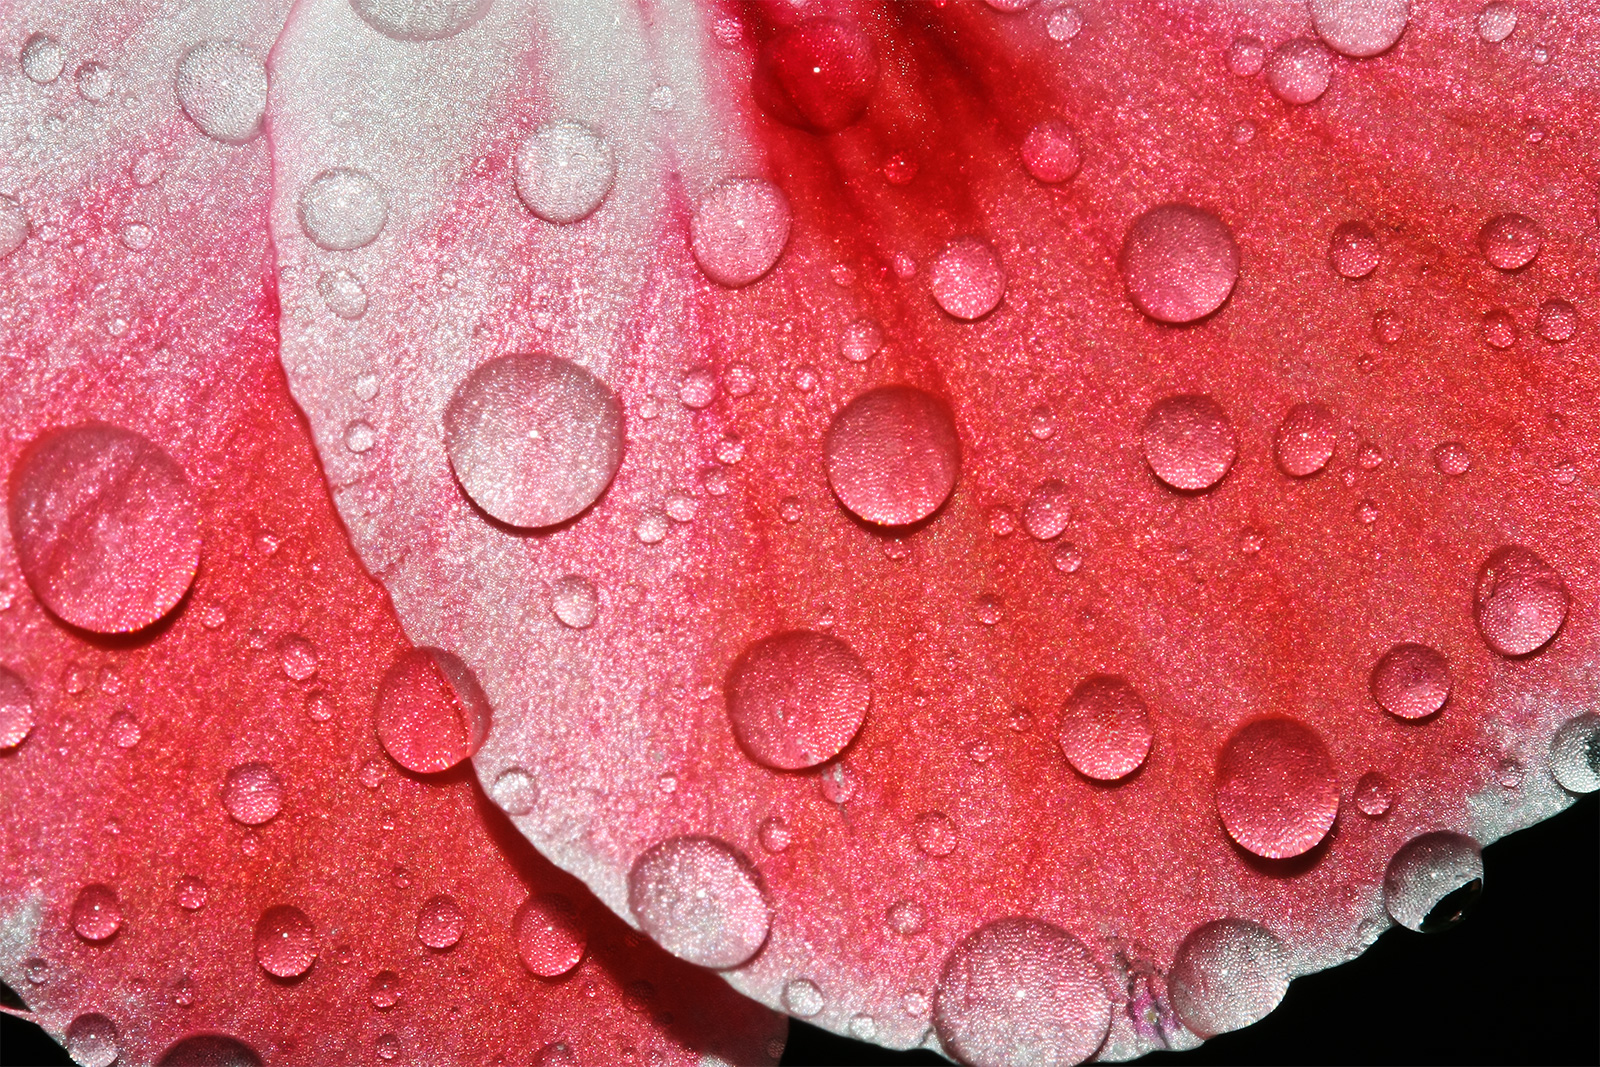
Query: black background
{"type": "Point", "coordinates": [1518, 982]}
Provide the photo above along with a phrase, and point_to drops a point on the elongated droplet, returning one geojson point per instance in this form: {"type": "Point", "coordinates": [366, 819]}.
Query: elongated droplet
{"type": "Point", "coordinates": [1433, 881]}
{"type": "Point", "coordinates": [550, 935]}
{"type": "Point", "coordinates": [701, 900]}
{"type": "Point", "coordinates": [209, 1050]}
{"type": "Point", "coordinates": [1575, 753]}
{"type": "Point", "coordinates": [431, 712]}
{"type": "Point", "coordinates": [893, 455]}
{"type": "Point", "coordinates": [796, 699]}
{"type": "Point", "coordinates": [1360, 28]}
{"type": "Point", "coordinates": [1277, 793]}
{"type": "Point", "coordinates": [16, 710]}
{"type": "Point", "coordinates": [408, 20]}
{"type": "Point", "coordinates": [1227, 974]}
{"type": "Point", "coordinates": [1179, 263]}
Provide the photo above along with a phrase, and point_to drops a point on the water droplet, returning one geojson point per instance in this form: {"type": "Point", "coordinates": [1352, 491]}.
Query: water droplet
{"type": "Point", "coordinates": [1064, 23]}
{"type": "Point", "coordinates": [556, 1054]}
{"type": "Point", "coordinates": [775, 834]}
{"type": "Point", "coordinates": [1496, 21]}
{"type": "Point", "coordinates": [1521, 601]}
{"type": "Point", "coordinates": [192, 893]}
{"type": "Point", "coordinates": [1227, 974]}
{"type": "Point", "coordinates": [37, 970]}
{"type": "Point", "coordinates": [515, 791]}
{"type": "Point", "coordinates": [136, 236]}
{"type": "Point", "coordinates": [96, 913]}
{"type": "Point", "coordinates": [13, 226]}
{"type": "Point", "coordinates": [298, 658]}
{"type": "Point", "coordinates": [439, 922]}
{"type": "Point", "coordinates": [899, 169]}
{"type": "Point", "coordinates": [575, 601]}
{"type": "Point", "coordinates": [1048, 510]}
{"type": "Point", "coordinates": [1366, 512]}
{"type": "Point", "coordinates": [343, 209]}
{"type": "Point", "coordinates": [1558, 321]}
{"type": "Point", "coordinates": [252, 793]}
{"type": "Point", "coordinates": [893, 455]}
{"type": "Point", "coordinates": [987, 609]}
{"type": "Point", "coordinates": [534, 440]}
{"type": "Point", "coordinates": [1353, 250]}
{"type": "Point", "coordinates": [651, 529]}
{"type": "Point", "coordinates": [790, 509]}
{"type": "Point", "coordinates": [966, 279]}
{"type": "Point", "coordinates": [1298, 71]}
{"type": "Point", "coordinates": [16, 710]}
{"type": "Point", "coordinates": [1246, 55]}
{"type": "Point", "coordinates": [1433, 881]}
{"type": "Point", "coordinates": [806, 379]}
{"type": "Point", "coordinates": [209, 1050]}
{"type": "Point", "coordinates": [1575, 753]}
{"type": "Point", "coordinates": [1305, 440]}
{"type": "Point", "coordinates": [43, 58]}
{"type": "Point", "coordinates": [818, 75]}
{"type": "Point", "coordinates": [431, 712]}
{"type": "Point", "coordinates": [148, 169]}
{"type": "Point", "coordinates": [1042, 423]}
{"type": "Point", "coordinates": [740, 380]}
{"type": "Point", "coordinates": [370, 773]}
{"type": "Point", "coordinates": [797, 699]}
{"type": "Point", "coordinates": [407, 20]}
{"type": "Point", "coordinates": [906, 917]}
{"type": "Point", "coordinates": [95, 82]}
{"type": "Point", "coordinates": [1276, 791]}
{"type": "Point", "coordinates": [359, 437]}
{"type": "Point", "coordinates": [1387, 327]}
{"type": "Point", "coordinates": [223, 88]}
{"type": "Point", "coordinates": [1510, 241]}
{"type": "Point", "coordinates": [861, 340]}
{"type": "Point", "coordinates": [935, 834]}
{"type": "Point", "coordinates": [365, 387]}
{"type": "Point", "coordinates": [1360, 28]}
{"type": "Point", "coordinates": [1411, 681]}
{"type": "Point", "coordinates": [1020, 991]}
{"type": "Point", "coordinates": [563, 171]}
{"type": "Point", "coordinates": [124, 730]}
{"type": "Point", "coordinates": [863, 1027]}
{"type": "Point", "coordinates": [92, 1040]}
{"type": "Point", "coordinates": [699, 388]}
{"type": "Point", "coordinates": [285, 941]}
{"type": "Point", "coordinates": [1002, 521]}
{"type": "Point", "coordinates": [1189, 442]}
{"type": "Point", "coordinates": [802, 998]}
{"type": "Point", "coordinates": [387, 1046]}
{"type": "Point", "coordinates": [384, 990]}
{"type": "Point", "coordinates": [107, 532]}
{"type": "Point", "coordinates": [1374, 794]}
{"type": "Point", "coordinates": [701, 900]}
{"type": "Point", "coordinates": [550, 935]}
{"type": "Point", "coordinates": [1068, 558]}
{"type": "Point", "coordinates": [1179, 263]}
{"type": "Point", "coordinates": [345, 296]}
{"type": "Point", "coordinates": [1105, 728]}
{"type": "Point", "coordinates": [739, 231]}
{"type": "Point", "coordinates": [730, 449]}
{"type": "Point", "coordinates": [1452, 459]}
{"type": "Point", "coordinates": [1051, 152]}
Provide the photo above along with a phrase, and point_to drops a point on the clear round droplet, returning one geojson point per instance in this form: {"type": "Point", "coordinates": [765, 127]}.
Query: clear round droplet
{"type": "Point", "coordinates": [1299, 71]}
{"type": "Point", "coordinates": [359, 437]}
{"type": "Point", "coordinates": [797, 699]}
{"type": "Point", "coordinates": [1068, 558]}
{"type": "Point", "coordinates": [563, 171]}
{"type": "Point", "coordinates": [92, 1040]}
{"type": "Point", "coordinates": [1105, 728]}
{"type": "Point", "coordinates": [1557, 321]}
{"type": "Point", "coordinates": [1433, 881]}
{"type": "Point", "coordinates": [1374, 794]}
{"type": "Point", "coordinates": [652, 527]}
{"type": "Point", "coordinates": [699, 388]}
{"type": "Point", "coordinates": [1575, 753]}
{"type": "Point", "coordinates": [534, 440]}
{"type": "Point", "coordinates": [1411, 681]}
{"type": "Point", "coordinates": [550, 935]}
{"type": "Point", "coordinates": [192, 893]}
{"type": "Point", "coordinates": [96, 913]}
{"type": "Point", "coordinates": [861, 340]}
{"type": "Point", "coordinates": [343, 209]}
{"type": "Point", "coordinates": [987, 609]}
{"type": "Point", "coordinates": [574, 601]}
{"type": "Point", "coordinates": [1042, 422]}
{"type": "Point", "coordinates": [298, 657]}
{"type": "Point", "coordinates": [1510, 241]}
{"type": "Point", "coordinates": [384, 990]}
{"type": "Point", "coordinates": [1051, 152]}
{"type": "Point", "coordinates": [222, 87]}
{"type": "Point", "coordinates": [1276, 790]}
{"type": "Point", "coordinates": [1246, 55]}
{"type": "Point", "coordinates": [1521, 601]}
{"type": "Point", "coordinates": [1048, 510]}
{"type": "Point", "coordinates": [1179, 263]}
{"type": "Point", "coordinates": [431, 712]}
{"type": "Point", "coordinates": [344, 295]}
{"type": "Point", "coordinates": [739, 231]}
{"type": "Point", "coordinates": [802, 998]}
{"type": "Point", "coordinates": [515, 791]}
{"type": "Point", "coordinates": [701, 900]}
{"type": "Point", "coordinates": [95, 82]}
{"type": "Point", "coordinates": [105, 527]}
{"type": "Point", "coordinates": [43, 58]}
{"type": "Point", "coordinates": [252, 793]}
{"type": "Point", "coordinates": [1020, 991]}
{"type": "Point", "coordinates": [1452, 459]}
{"type": "Point", "coordinates": [1002, 521]}
{"type": "Point", "coordinates": [740, 380]}
{"type": "Point", "coordinates": [906, 917]}
{"type": "Point", "coordinates": [137, 236]}
{"type": "Point", "coordinates": [893, 455]}
{"type": "Point", "coordinates": [285, 942]}
{"type": "Point", "coordinates": [1227, 974]}
{"type": "Point", "coordinates": [440, 922]}
{"type": "Point", "coordinates": [775, 834]}
{"type": "Point", "coordinates": [1189, 442]}
{"type": "Point", "coordinates": [1353, 250]}
{"type": "Point", "coordinates": [1360, 28]}
{"type": "Point", "coordinates": [934, 833]}
{"type": "Point", "coordinates": [408, 20]}
{"type": "Point", "coordinates": [124, 731]}
{"type": "Point", "coordinates": [17, 715]}
{"type": "Point", "coordinates": [966, 279]}
{"type": "Point", "coordinates": [1496, 21]}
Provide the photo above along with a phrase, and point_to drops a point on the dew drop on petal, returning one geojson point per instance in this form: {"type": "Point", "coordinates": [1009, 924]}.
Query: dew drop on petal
{"type": "Point", "coordinates": [1411, 681]}
{"type": "Point", "coordinates": [209, 1050]}
{"type": "Point", "coordinates": [1051, 152]}
{"type": "Point", "coordinates": [652, 527]}
{"type": "Point", "coordinates": [1521, 601]}
{"type": "Point", "coordinates": [343, 294]}
{"type": "Point", "coordinates": [1246, 55]}
{"type": "Point", "coordinates": [1452, 459]}
{"type": "Point", "coordinates": [1021, 991]}
{"type": "Point", "coordinates": [1276, 790]}
{"type": "Point", "coordinates": [1496, 21]}
{"type": "Point", "coordinates": [775, 834]}
{"type": "Point", "coordinates": [408, 20]}
{"type": "Point", "coordinates": [966, 279]}
{"type": "Point", "coordinates": [739, 230]}
{"type": "Point", "coordinates": [222, 87]}
{"type": "Point", "coordinates": [563, 171]}
{"type": "Point", "coordinates": [96, 913]}
{"type": "Point", "coordinates": [298, 657]}
{"type": "Point", "coordinates": [1353, 250]}
{"type": "Point", "coordinates": [43, 58]}
{"type": "Point", "coordinates": [343, 209]}
{"type": "Point", "coordinates": [699, 388]}
{"type": "Point", "coordinates": [1360, 28]}
{"type": "Point", "coordinates": [574, 601]}
{"type": "Point", "coordinates": [1510, 241]}
{"type": "Point", "coordinates": [1557, 321]}
{"type": "Point", "coordinates": [124, 730]}
{"type": "Point", "coordinates": [1298, 71]}
{"type": "Point", "coordinates": [440, 922]}
{"type": "Point", "coordinates": [906, 917]}
{"type": "Point", "coordinates": [1433, 881]}
{"type": "Point", "coordinates": [16, 710]}
{"type": "Point", "coordinates": [252, 793]}
{"type": "Point", "coordinates": [861, 340]}
{"type": "Point", "coordinates": [935, 834]}
{"type": "Point", "coordinates": [1105, 728]}
{"type": "Point", "coordinates": [191, 893]}
{"type": "Point", "coordinates": [550, 935]}
{"type": "Point", "coordinates": [95, 82]}
{"type": "Point", "coordinates": [1499, 328]}
{"type": "Point", "coordinates": [105, 527]}
{"type": "Point", "coordinates": [893, 455]}
{"type": "Point", "coordinates": [285, 942]}
{"type": "Point", "coordinates": [431, 712]}
{"type": "Point", "coordinates": [818, 75]}
{"type": "Point", "coordinates": [701, 900]}
{"type": "Point", "coordinates": [802, 998]}
{"type": "Point", "coordinates": [1048, 510]}
{"type": "Point", "coordinates": [797, 698]}
{"type": "Point", "coordinates": [384, 990]}
{"type": "Point", "coordinates": [1227, 974]}
{"type": "Point", "coordinates": [1305, 440]}
{"type": "Point", "coordinates": [515, 791]}
{"type": "Point", "coordinates": [92, 1040]}
{"type": "Point", "coordinates": [13, 226]}
{"type": "Point", "coordinates": [1374, 794]}
{"type": "Point", "coordinates": [534, 440]}
{"type": "Point", "coordinates": [1575, 753]}
{"type": "Point", "coordinates": [1179, 263]}
{"type": "Point", "coordinates": [359, 437]}
{"type": "Point", "coordinates": [1188, 441]}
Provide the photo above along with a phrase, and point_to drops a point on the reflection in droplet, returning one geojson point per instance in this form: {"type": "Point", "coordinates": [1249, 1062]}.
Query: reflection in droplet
{"type": "Point", "coordinates": [701, 900]}
{"type": "Point", "coordinates": [1411, 681]}
{"type": "Point", "coordinates": [739, 230]}
{"type": "Point", "coordinates": [285, 942]}
{"type": "Point", "coordinates": [1276, 790]}
{"type": "Point", "coordinates": [797, 698]}
{"type": "Point", "coordinates": [1227, 974]}
{"type": "Point", "coordinates": [431, 712]}
{"type": "Point", "coordinates": [1521, 601]}
{"type": "Point", "coordinates": [1105, 728]}
{"type": "Point", "coordinates": [92, 1040]}
{"type": "Point", "coordinates": [1433, 881]}
{"type": "Point", "coordinates": [1179, 263]}
{"type": "Point", "coordinates": [1575, 753]}
{"type": "Point", "coordinates": [96, 912]}
{"type": "Point", "coordinates": [1189, 441]}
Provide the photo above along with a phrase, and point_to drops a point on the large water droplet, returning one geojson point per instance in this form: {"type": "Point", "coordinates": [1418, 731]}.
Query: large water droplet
{"type": "Point", "coordinates": [1299, 71]}
{"type": "Point", "coordinates": [1510, 241]}
{"type": "Point", "coordinates": [1411, 681]}
{"type": "Point", "coordinates": [966, 279]}
{"type": "Point", "coordinates": [209, 1050]}
{"type": "Point", "coordinates": [96, 913]}
{"type": "Point", "coordinates": [739, 231]}
{"type": "Point", "coordinates": [1521, 601]}
{"type": "Point", "coordinates": [1189, 442]}
{"type": "Point", "coordinates": [1227, 974]}
{"type": "Point", "coordinates": [408, 20]}
{"type": "Point", "coordinates": [550, 935]}
{"type": "Point", "coordinates": [223, 88]}
{"type": "Point", "coordinates": [344, 295]}
{"type": "Point", "coordinates": [16, 709]}
{"type": "Point", "coordinates": [440, 922]}
{"type": "Point", "coordinates": [105, 527]}
{"type": "Point", "coordinates": [1105, 728]}
{"type": "Point", "coordinates": [534, 440]}
{"type": "Point", "coordinates": [1496, 21]}
{"type": "Point", "coordinates": [1305, 440]}
{"type": "Point", "coordinates": [563, 171]}
{"type": "Point", "coordinates": [431, 712]}
{"type": "Point", "coordinates": [285, 941]}
{"type": "Point", "coordinates": [893, 455]}
{"type": "Point", "coordinates": [802, 998]}
{"type": "Point", "coordinates": [701, 900]}
{"type": "Point", "coordinates": [1276, 791]}
{"type": "Point", "coordinates": [1575, 753]}
{"type": "Point", "coordinates": [343, 209]}
{"type": "Point", "coordinates": [1353, 250]}
{"type": "Point", "coordinates": [1179, 263]}
{"type": "Point", "coordinates": [92, 1040]}
{"type": "Point", "coordinates": [252, 793]}
{"type": "Point", "coordinates": [1360, 28]}
{"type": "Point", "coordinates": [13, 226]}
{"type": "Point", "coordinates": [796, 699]}
{"type": "Point", "coordinates": [1051, 152]}
{"type": "Point", "coordinates": [1433, 881]}
{"type": "Point", "coordinates": [43, 58]}
{"type": "Point", "coordinates": [1018, 991]}
{"type": "Point", "coordinates": [818, 75]}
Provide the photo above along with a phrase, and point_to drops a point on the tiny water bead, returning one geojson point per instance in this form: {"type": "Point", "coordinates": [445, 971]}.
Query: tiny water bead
{"type": "Point", "coordinates": [906, 917]}
{"type": "Point", "coordinates": [1067, 558]}
{"type": "Point", "coordinates": [440, 922]}
{"type": "Point", "coordinates": [739, 230]}
{"type": "Point", "coordinates": [1433, 881]}
{"type": "Point", "coordinates": [802, 998]}
{"type": "Point", "coordinates": [1499, 328]}
{"type": "Point", "coordinates": [252, 793]}
{"type": "Point", "coordinates": [96, 912]}
{"type": "Point", "coordinates": [431, 712]}
{"type": "Point", "coordinates": [191, 893]}
{"type": "Point", "coordinates": [1510, 241]}
{"type": "Point", "coordinates": [797, 699]}
{"type": "Point", "coordinates": [1374, 794]}
{"type": "Point", "coordinates": [222, 87]}
{"type": "Point", "coordinates": [701, 900]}
{"type": "Point", "coordinates": [1575, 753]}
{"type": "Point", "coordinates": [893, 455]}
{"type": "Point", "coordinates": [966, 279]}
{"type": "Point", "coordinates": [515, 790]}
{"type": "Point", "coordinates": [1048, 510]}
{"type": "Point", "coordinates": [818, 75]}
{"type": "Point", "coordinates": [137, 236]}
{"type": "Point", "coordinates": [105, 527]}
{"type": "Point", "coordinates": [1179, 263]}
{"type": "Point", "coordinates": [1064, 23]}
{"type": "Point", "coordinates": [407, 20]}
{"type": "Point", "coordinates": [563, 171]}
{"type": "Point", "coordinates": [1305, 440]}
{"type": "Point", "coordinates": [285, 942]}
{"type": "Point", "coordinates": [1360, 28]}
{"type": "Point", "coordinates": [1520, 602]}
{"type": "Point", "coordinates": [384, 990]}
{"type": "Point", "coordinates": [900, 169]}
{"type": "Point", "coordinates": [1496, 21]}
{"type": "Point", "coordinates": [1353, 250]}
{"type": "Point", "coordinates": [1051, 152]}
{"type": "Point", "coordinates": [1276, 790]}
{"type": "Point", "coordinates": [92, 1040]}
{"type": "Point", "coordinates": [1105, 728]}
{"type": "Point", "coordinates": [359, 437]}
{"type": "Point", "coordinates": [1020, 991]}
{"type": "Point", "coordinates": [124, 731]}
{"type": "Point", "coordinates": [343, 294]}
{"type": "Point", "coordinates": [574, 601]}
{"type": "Point", "coordinates": [17, 715]}
{"type": "Point", "coordinates": [1557, 321]}
{"type": "Point", "coordinates": [1451, 459]}
{"type": "Point", "coordinates": [1411, 681]}
{"type": "Point", "coordinates": [775, 833]}
{"type": "Point", "coordinates": [95, 82]}
{"type": "Point", "coordinates": [534, 440]}
{"type": "Point", "coordinates": [1246, 55]}
{"type": "Point", "coordinates": [1188, 441]}
{"type": "Point", "coordinates": [1298, 71]}
{"type": "Point", "coordinates": [550, 935]}
{"type": "Point", "coordinates": [13, 226]}
{"type": "Point", "coordinates": [298, 658]}
{"type": "Point", "coordinates": [699, 388]}
{"type": "Point", "coordinates": [935, 833]}
{"type": "Point", "coordinates": [43, 58]}
{"type": "Point", "coordinates": [861, 340]}
{"type": "Point", "coordinates": [343, 209]}
{"type": "Point", "coordinates": [1227, 974]}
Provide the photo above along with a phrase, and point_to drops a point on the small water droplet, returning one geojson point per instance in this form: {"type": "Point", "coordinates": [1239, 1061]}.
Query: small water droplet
{"type": "Point", "coordinates": [564, 170]}
{"type": "Point", "coordinates": [222, 87]}
{"type": "Point", "coordinates": [837, 784]}
{"type": "Point", "coordinates": [136, 236]}
{"type": "Point", "coordinates": [148, 169]}
{"type": "Point", "coordinates": [124, 731]}
{"type": "Point", "coordinates": [1496, 21]}
{"type": "Point", "coordinates": [1411, 681]}
{"type": "Point", "coordinates": [16, 710]}
{"type": "Point", "coordinates": [806, 379]}
{"type": "Point", "coordinates": [863, 1027]}
{"type": "Point", "coordinates": [1452, 459]}
{"type": "Point", "coordinates": [575, 601]}
{"type": "Point", "coordinates": [790, 509]}
{"type": "Point", "coordinates": [818, 75]}
{"type": "Point", "coordinates": [556, 1054]}
{"type": "Point", "coordinates": [935, 834]}
{"type": "Point", "coordinates": [1068, 558]}
{"type": "Point", "coordinates": [651, 529]}
{"type": "Point", "coordinates": [1499, 329]}
{"type": "Point", "coordinates": [1387, 327]}
{"type": "Point", "coordinates": [384, 990]}
{"type": "Point", "coordinates": [1227, 974]}
{"type": "Point", "coordinates": [1298, 71]}
{"type": "Point", "coordinates": [440, 922]}
{"type": "Point", "coordinates": [1189, 442]}
{"type": "Point", "coordinates": [1510, 241]}
{"type": "Point", "coordinates": [1051, 152]}
{"type": "Point", "coordinates": [96, 913]}
{"type": "Point", "coordinates": [1575, 753]}
{"type": "Point", "coordinates": [1105, 728]}
{"type": "Point", "coordinates": [359, 437]}
{"type": "Point", "coordinates": [739, 230]}
{"type": "Point", "coordinates": [1374, 794]}
{"type": "Point", "coordinates": [729, 449]}
{"type": "Point", "coordinates": [1246, 55]}
{"type": "Point", "coordinates": [515, 791]}
{"type": "Point", "coordinates": [95, 82]}
{"type": "Point", "coordinates": [346, 297]}
{"type": "Point", "coordinates": [802, 998]}
{"type": "Point", "coordinates": [550, 935]}
{"type": "Point", "coordinates": [43, 58]}
{"type": "Point", "coordinates": [861, 340]}
{"type": "Point", "coordinates": [252, 793]}
{"type": "Point", "coordinates": [1048, 510]}
{"type": "Point", "coordinates": [1179, 263]}
{"type": "Point", "coordinates": [1360, 28]}
{"type": "Point", "coordinates": [1353, 250]}
{"type": "Point", "coordinates": [365, 387]}
{"type": "Point", "coordinates": [797, 699]}
{"type": "Point", "coordinates": [1433, 881]}
{"type": "Point", "coordinates": [343, 209]}
{"type": "Point", "coordinates": [699, 898]}
{"type": "Point", "coordinates": [893, 455]}
{"type": "Point", "coordinates": [92, 1040]}
{"type": "Point", "coordinates": [1521, 601]}
{"type": "Point", "coordinates": [387, 1046]}
{"type": "Point", "coordinates": [1557, 321]}
{"type": "Point", "coordinates": [37, 970]}
{"type": "Point", "coordinates": [1275, 788]}
{"type": "Point", "coordinates": [1366, 512]}
{"type": "Point", "coordinates": [1064, 23]}
{"type": "Point", "coordinates": [740, 380]}
{"type": "Point", "coordinates": [298, 657]}
{"type": "Point", "coordinates": [966, 279]}
{"type": "Point", "coordinates": [183, 992]}
{"type": "Point", "coordinates": [775, 834]}
{"type": "Point", "coordinates": [370, 773]}
{"type": "Point", "coordinates": [699, 388]}
{"type": "Point", "coordinates": [431, 712]}
{"type": "Point", "coordinates": [906, 917]}
{"type": "Point", "coordinates": [1042, 423]}
{"type": "Point", "coordinates": [191, 893]}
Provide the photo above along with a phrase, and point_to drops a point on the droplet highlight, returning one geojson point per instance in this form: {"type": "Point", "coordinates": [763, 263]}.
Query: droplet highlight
{"type": "Point", "coordinates": [739, 230]}
{"type": "Point", "coordinates": [1227, 975]}
{"type": "Point", "coordinates": [222, 87]}
{"type": "Point", "coordinates": [1521, 601]}
{"type": "Point", "coordinates": [1433, 881]}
